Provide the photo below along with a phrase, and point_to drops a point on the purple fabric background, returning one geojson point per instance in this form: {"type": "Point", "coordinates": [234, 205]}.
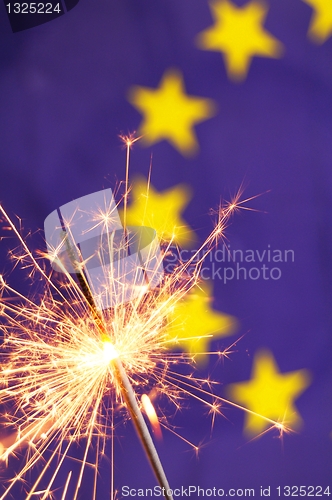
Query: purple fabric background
{"type": "Point", "coordinates": [62, 105]}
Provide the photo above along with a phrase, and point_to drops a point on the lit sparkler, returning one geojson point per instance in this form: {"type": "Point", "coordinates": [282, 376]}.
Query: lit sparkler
{"type": "Point", "coordinates": [66, 355]}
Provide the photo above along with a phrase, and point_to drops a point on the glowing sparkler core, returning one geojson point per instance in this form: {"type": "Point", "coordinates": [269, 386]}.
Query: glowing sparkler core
{"type": "Point", "coordinates": [109, 351]}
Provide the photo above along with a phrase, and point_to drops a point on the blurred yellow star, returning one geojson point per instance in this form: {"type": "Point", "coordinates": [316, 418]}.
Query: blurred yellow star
{"type": "Point", "coordinates": [194, 324]}
{"type": "Point", "coordinates": [169, 113]}
{"type": "Point", "coordinates": [320, 28]}
{"type": "Point", "coordinates": [269, 393]}
{"type": "Point", "coordinates": [160, 210]}
{"type": "Point", "coordinates": [239, 35]}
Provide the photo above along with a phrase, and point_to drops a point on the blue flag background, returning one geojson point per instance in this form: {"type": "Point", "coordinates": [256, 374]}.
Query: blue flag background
{"type": "Point", "coordinates": [68, 89]}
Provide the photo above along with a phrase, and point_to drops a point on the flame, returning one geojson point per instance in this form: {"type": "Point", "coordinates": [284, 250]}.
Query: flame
{"type": "Point", "coordinates": [152, 415]}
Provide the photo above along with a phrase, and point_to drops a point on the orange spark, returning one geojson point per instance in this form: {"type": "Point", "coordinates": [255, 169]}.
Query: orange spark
{"type": "Point", "coordinates": [152, 415]}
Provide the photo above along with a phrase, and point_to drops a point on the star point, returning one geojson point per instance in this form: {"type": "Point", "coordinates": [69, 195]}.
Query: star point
{"type": "Point", "coordinates": [170, 114]}
{"type": "Point", "coordinates": [270, 394]}
{"type": "Point", "coordinates": [238, 33]}
{"type": "Point", "coordinates": [320, 28]}
{"type": "Point", "coordinates": [194, 324]}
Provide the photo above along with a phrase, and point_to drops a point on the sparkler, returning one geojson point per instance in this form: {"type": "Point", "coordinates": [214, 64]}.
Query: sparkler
{"type": "Point", "coordinates": [119, 372]}
{"type": "Point", "coordinates": [65, 356]}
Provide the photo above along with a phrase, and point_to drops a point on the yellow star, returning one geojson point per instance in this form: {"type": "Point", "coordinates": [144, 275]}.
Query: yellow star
{"type": "Point", "coordinates": [270, 394]}
{"type": "Point", "coordinates": [169, 113]}
{"type": "Point", "coordinates": [320, 28]}
{"type": "Point", "coordinates": [160, 210]}
{"type": "Point", "coordinates": [239, 35]}
{"type": "Point", "coordinates": [194, 324]}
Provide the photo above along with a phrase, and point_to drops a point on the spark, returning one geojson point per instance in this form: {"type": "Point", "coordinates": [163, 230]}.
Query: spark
{"type": "Point", "coordinates": [128, 140]}
{"type": "Point", "coordinates": [67, 371]}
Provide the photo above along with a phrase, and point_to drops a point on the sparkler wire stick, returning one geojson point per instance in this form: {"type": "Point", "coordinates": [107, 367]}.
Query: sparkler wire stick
{"type": "Point", "coordinates": [142, 429]}
{"type": "Point", "coordinates": [122, 378]}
